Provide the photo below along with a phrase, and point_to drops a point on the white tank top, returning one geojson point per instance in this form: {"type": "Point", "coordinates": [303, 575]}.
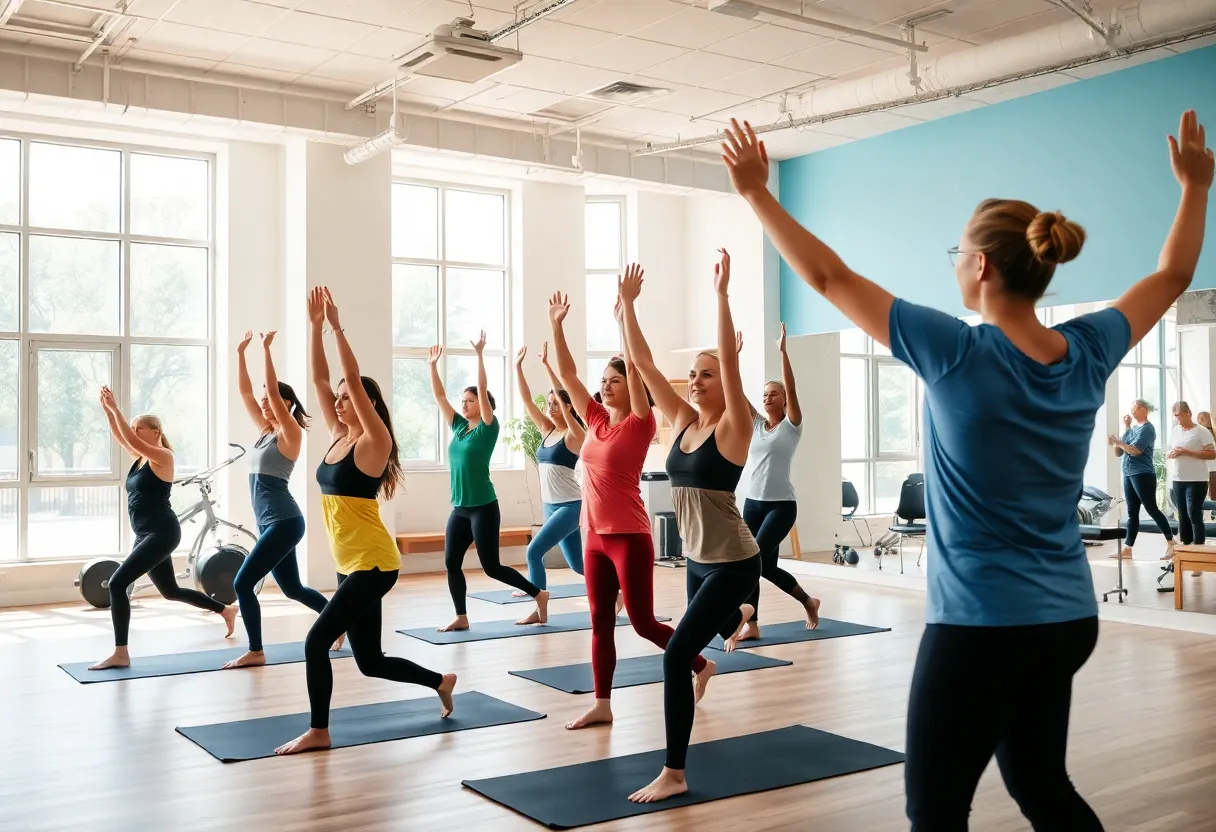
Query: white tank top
{"type": "Point", "coordinates": [769, 460]}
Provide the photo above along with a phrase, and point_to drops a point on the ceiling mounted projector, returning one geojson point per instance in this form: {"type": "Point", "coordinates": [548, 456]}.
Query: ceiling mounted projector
{"type": "Point", "coordinates": [458, 52]}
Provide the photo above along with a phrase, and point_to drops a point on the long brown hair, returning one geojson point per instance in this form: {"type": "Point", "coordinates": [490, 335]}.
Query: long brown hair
{"type": "Point", "coordinates": [391, 477]}
{"type": "Point", "coordinates": [1024, 243]}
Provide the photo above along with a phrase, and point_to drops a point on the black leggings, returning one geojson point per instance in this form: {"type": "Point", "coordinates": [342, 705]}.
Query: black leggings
{"type": "Point", "coordinates": [770, 522]}
{"type": "Point", "coordinates": [977, 691]}
{"type": "Point", "coordinates": [715, 591]}
{"type": "Point", "coordinates": [1188, 499]}
{"type": "Point", "coordinates": [273, 554]}
{"type": "Point", "coordinates": [1141, 489]}
{"type": "Point", "coordinates": [152, 555]}
{"type": "Point", "coordinates": [354, 609]}
{"type": "Point", "coordinates": [477, 525]}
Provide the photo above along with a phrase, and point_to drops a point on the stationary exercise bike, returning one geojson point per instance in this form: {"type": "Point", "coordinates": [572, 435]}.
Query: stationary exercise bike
{"type": "Point", "coordinates": [212, 563]}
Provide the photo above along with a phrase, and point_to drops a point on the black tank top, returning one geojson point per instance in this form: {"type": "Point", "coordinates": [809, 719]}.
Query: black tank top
{"type": "Point", "coordinates": [344, 479]}
{"type": "Point", "coordinates": [148, 503]}
{"type": "Point", "coordinates": [704, 468]}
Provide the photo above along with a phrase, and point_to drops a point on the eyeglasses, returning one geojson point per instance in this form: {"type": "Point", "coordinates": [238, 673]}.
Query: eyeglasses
{"type": "Point", "coordinates": [953, 252]}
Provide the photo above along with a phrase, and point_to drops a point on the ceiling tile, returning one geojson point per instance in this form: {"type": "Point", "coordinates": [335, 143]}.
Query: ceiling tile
{"type": "Point", "coordinates": [461, 107]}
{"type": "Point", "coordinates": [639, 120]}
{"type": "Point", "coordinates": [134, 55]}
{"type": "Point", "coordinates": [269, 76]}
{"type": "Point", "coordinates": [880, 11]}
{"type": "Point", "coordinates": [427, 102]}
{"type": "Point", "coordinates": [864, 126]}
{"type": "Point", "coordinates": [515, 99]}
{"type": "Point", "coordinates": [941, 108]}
{"type": "Point", "coordinates": [555, 76]}
{"type": "Point", "coordinates": [1019, 88]}
{"type": "Point", "coordinates": [971, 16]}
{"type": "Point", "coordinates": [701, 102]}
{"type": "Point", "coordinates": [375, 12]}
{"type": "Point", "coordinates": [557, 40]}
{"type": "Point", "coordinates": [426, 16]}
{"type": "Point", "coordinates": [699, 68]}
{"type": "Point", "coordinates": [443, 88]}
{"type": "Point", "coordinates": [387, 43]}
{"type": "Point", "coordinates": [763, 80]}
{"type": "Point", "coordinates": [288, 57]}
{"type": "Point", "coordinates": [767, 43]}
{"type": "Point", "coordinates": [756, 113]}
{"type": "Point", "coordinates": [240, 16]}
{"type": "Point", "coordinates": [153, 8]}
{"type": "Point", "coordinates": [314, 30]}
{"type": "Point", "coordinates": [623, 16]}
{"type": "Point", "coordinates": [190, 41]}
{"type": "Point", "coordinates": [355, 68]}
{"type": "Point", "coordinates": [786, 144]}
{"type": "Point", "coordinates": [628, 55]}
{"type": "Point", "coordinates": [305, 84]}
{"type": "Point", "coordinates": [695, 28]}
{"type": "Point", "coordinates": [1020, 26]}
{"type": "Point", "coordinates": [833, 58]}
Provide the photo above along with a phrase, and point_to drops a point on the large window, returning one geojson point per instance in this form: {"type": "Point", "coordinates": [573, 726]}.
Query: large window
{"type": "Point", "coordinates": [106, 264]}
{"type": "Point", "coordinates": [879, 421]}
{"type": "Point", "coordinates": [450, 278]}
{"type": "Point", "coordinates": [605, 244]}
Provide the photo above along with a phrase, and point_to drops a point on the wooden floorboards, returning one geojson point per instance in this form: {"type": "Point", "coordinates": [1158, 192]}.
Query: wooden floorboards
{"type": "Point", "coordinates": [105, 757]}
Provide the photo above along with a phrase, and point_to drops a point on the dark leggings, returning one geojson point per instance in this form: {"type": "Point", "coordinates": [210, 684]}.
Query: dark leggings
{"type": "Point", "coordinates": [977, 691]}
{"type": "Point", "coordinates": [354, 609]}
{"type": "Point", "coordinates": [715, 591]}
{"type": "Point", "coordinates": [1141, 489]}
{"type": "Point", "coordinates": [152, 555]}
{"type": "Point", "coordinates": [1188, 499]}
{"type": "Point", "coordinates": [477, 525]}
{"type": "Point", "coordinates": [770, 522]}
{"type": "Point", "coordinates": [273, 554]}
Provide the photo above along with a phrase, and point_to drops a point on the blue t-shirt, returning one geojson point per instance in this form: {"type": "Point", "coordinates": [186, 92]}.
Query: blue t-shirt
{"type": "Point", "coordinates": [1143, 437]}
{"type": "Point", "coordinates": [1007, 441]}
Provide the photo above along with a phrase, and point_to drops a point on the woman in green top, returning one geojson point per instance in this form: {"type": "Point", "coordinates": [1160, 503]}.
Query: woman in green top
{"type": "Point", "coordinates": [475, 518]}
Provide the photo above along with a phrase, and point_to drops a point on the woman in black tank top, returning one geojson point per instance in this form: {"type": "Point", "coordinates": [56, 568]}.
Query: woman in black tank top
{"type": "Point", "coordinates": [154, 523]}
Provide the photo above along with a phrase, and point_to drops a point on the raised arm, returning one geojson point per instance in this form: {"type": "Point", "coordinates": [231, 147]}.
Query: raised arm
{"type": "Point", "coordinates": [738, 416]}
{"type": "Point", "coordinates": [245, 387]}
{"type": "Point", "coordinates": [534, 413]}
{"type": "Point", "coordinates": [318, 365]}
{"type": "Point", "coordinates": [441, 396]}
{"type": "Point", "coordinates": [863, 302]}
{"type": "Point", "coordinates": [483, 390]}
{"type": "Point", "coordinates": [113, 420]}
{"type": "Point", "coordinates": [565, 422]}
{"type": "Point", "coordinates": [559, 307]}
{"type": "Point", "coordinates": [155, 454]}
{"type": "Point", "coordinates": [1145, 303]}
{"type": "Point", "coordinates": [290, 431]}
{"type": "Point", "coordinates": [637, 353]}
{"type": "Point", "coordinates": [793, 411]}
{"type": "Point", "coordinates": [373, 426]}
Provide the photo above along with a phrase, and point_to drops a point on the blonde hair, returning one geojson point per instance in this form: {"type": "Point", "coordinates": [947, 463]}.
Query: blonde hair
{"type": "Point", "coordinates": [150, 421]}
{"type": "Point", "coordinates": [1024, 243]}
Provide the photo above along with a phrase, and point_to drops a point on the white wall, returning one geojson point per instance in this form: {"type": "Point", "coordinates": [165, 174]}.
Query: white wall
{"type": "Point", "coordinates": [816, 363]}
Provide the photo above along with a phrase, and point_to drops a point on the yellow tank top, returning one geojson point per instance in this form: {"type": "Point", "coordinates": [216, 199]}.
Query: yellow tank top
{"type": "Point", "coordinates": [357, 536]}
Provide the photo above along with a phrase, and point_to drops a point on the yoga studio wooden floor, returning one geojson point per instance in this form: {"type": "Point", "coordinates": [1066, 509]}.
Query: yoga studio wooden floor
{"type": "Point", "coordinates": [105, 757]}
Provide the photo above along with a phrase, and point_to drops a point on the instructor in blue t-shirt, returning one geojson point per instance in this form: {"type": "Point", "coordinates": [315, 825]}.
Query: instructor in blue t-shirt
{"type": "Point", "coordinates": [1139, 475]}
{"type": "Point", "coordinates": [1009, 412]}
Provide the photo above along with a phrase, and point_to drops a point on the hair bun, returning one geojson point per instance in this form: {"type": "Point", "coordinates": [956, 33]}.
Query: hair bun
{"type": "Point", "coordinates": [1054, 239]}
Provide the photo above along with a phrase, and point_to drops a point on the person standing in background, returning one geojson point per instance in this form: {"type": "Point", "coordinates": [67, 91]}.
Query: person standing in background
{"type": "Point", "coordinates": [1139, 475]}
{"type": "Point", "coordinates": [1191, 449]}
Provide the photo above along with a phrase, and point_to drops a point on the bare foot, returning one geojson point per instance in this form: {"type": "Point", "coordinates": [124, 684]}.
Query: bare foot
{"type": "Point", "coordinates": [519, 593]}
{"type": "Point", "coordinates": [750, 633]}
{"type": "Point", "coordinates": [542, 607]}
{"type": "Point", "coordinates": [703, 678]}
{"type": "Point", "coordinates": [229, 614]}
{"type": "Point", "coordinates": [461, 623]}
{"type": "Point", "coordinates": [532, 618]}
{"type": "Point", "coordinates": [445, 694]}
{"type": "Point", "coordinates": [310, 740]}
{"type": "Point", "coordinates": [1127, 554]}
{"type": "Point", "coordinates": [254, 658]}
{"type": "Point", "coordinates": [669, 783]}
{"type": "Point", "coordinates": [812, 614]}
{"type": "Point", "coordinates": [746, 611]}
{"type": "Point", "coordinates": [337, 645]}
{"type": "Point", "coordinates": [620, 602]}
{"type": "Point", "coordinates": [120, 658]}
{"type": "Point", "coordinates": [600, 714]}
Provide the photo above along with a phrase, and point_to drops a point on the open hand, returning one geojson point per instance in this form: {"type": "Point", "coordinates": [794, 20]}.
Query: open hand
{"type": "Point", "coordinates": [618, 307]}
{"type": "Point", "coordinates": [722, 272]}
{"type": "Point", "coordinates": [267, 339]}
{"type": "Point", "coordinates": [107, 399]}
{"type": "Point", "coordinates": [520, 356]}
{"type": "Point", "coordinates": [1190, 157]}
{"type": "Point", "coordinates": [316, 307]}
{"type": "Point", "coordinates": [629, 285]}
{"type": "Point", "coordinates": [559, 307]}
{"type": "Point", "coordinates": [781, 339]}
{"type": "Point", "coordinates": [746, 159]}
{"type": "Point", "coordinates": [331, 309]}
{"type": "Point", "coordinates": [738, 340]}
{"type": "Point", "coordinates": [244, 342]}
{"type": "Point", "coordinates": [544, 354]}
{"type": "Point", "coordinates": [480, 343]}
{"type": "Point", "coordinates": [1111, 439]}
{"type": "Point", "coordinates": [434, 354]}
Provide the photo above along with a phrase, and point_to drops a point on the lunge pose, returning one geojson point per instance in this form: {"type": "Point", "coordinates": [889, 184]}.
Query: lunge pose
{"type": "Point", "coordinates": [281, 420]}
{"type": "Point", "coordinates": [361, 464]}
{"type": "Point", "coordinates": [619, 551]}
{"type": "Point", "coordinates": [1010, 408]}
{"type": "Point", "coordinates": [705, 464]}
{"type": "Point", "coordinates": [154, 523]}
{"type": "Point", "coordinates": [475, 518]}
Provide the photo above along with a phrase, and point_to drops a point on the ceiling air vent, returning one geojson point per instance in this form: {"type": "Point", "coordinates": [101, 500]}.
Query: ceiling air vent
{"type": "Point", "coordinates": [623, 92]}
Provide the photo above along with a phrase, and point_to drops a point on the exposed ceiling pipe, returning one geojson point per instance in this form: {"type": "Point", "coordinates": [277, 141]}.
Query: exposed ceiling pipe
{"type": "Point", "coordinates": [116, 18]}
{"type": "Point", "coordinates": [376, 145]}
{"type": "Point", "coordinates": [1145, 25]}
{"type": "Point", "coordinates": [545, 10]}
{"type": "Point", "coordinates": [1084, 12]}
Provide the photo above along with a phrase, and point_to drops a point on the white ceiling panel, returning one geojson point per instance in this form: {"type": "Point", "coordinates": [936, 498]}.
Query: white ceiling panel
{"type": "Point", "coordinates": [318, 31]}
{"type": "Point", "coordinates": [786, 144]}
{"type": "Point", "coordinates": [763, 80]}
{"type": "Point", "coordinates": [862, 127]}
{"type": "Point", "coordinates": [443, 88]}
{"type": "Point", "coordinates": [151, 56]}
{"type": "Point", "coordinates": [1026, 86]}
{"type": "Point", "coordinates": [240, 16]}
{"type": "Point", "coordinates": [355, 68]}
{"type": "Point", "coordinates": [375, 12]}
{"type": "Point", "coordinates": [287, 57]}
{"type": "Point", "coordinates": [1116, 64]}
{"type": "Point", "coordinates": [261, 73]}
{"type": "Point", "coordinates": [971, 16]}
{"type": "Point", "coordinates": [387, 43]}
{"type": "Point", "coordinates": [834, 58]}
{"type": "Point", "coordinates": [880, 11]}
{"type": "Point", "coordinates": [557, 40]}
{"type": "Point", "coordinates": [554, 76]}
{"type": "Point", "coordinates": [941, 108]}
{"type": "Point", "coordinates": [641, 120]}
{"type": "Point", "coordinates": [695, 28]}
{"type": "Point", "coordinates": [155, 8]}
{"type": "Point", "coordinates": [766, 43]}
{"type": "Point", "coordinates": [700, 102]}
{"type": "Point", "coordinates": [629, 55]}
{"type": "Point", "coordinates": [622, 16]}
{"type": "Point", "coordinates": [696, 68]}
{"type": "Point", "coordinates": [1020, 26]}
{"type": "Point", "coordinates": [426, 16]}
{"type": "Point", "coordinates": [515, 99]}
{"type": "Point", "coordinates": [190, 41]}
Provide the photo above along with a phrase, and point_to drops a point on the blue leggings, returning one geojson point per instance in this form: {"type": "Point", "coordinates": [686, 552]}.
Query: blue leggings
{"type": "Point", "coordinates": [560, 528]}
{"type": "Point", "coordinates": [273, 554]}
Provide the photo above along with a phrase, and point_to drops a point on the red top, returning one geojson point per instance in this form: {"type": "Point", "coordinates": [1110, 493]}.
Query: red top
{"type": "Point", "coordinates": [613, 456]}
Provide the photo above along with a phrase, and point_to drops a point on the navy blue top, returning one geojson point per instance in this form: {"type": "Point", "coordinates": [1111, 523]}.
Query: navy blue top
{"type": "Point", "coordinates": [269, 475]}
{"type": "Point", "coordinates": [1007, 439]}
{"type": "Point", "coordinates": [556, 454]}
{"type": "Point", "coordinates": [148, 503]}
{"type": "Point", "coordinates": [1143, 437]}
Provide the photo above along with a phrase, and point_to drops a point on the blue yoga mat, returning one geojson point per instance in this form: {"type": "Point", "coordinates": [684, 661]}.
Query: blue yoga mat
{"type": "Point", "coordinates": [566, 622]}
{"type": "Point", "coordinates": [642, 670]}
{"type": "Point", "coordinates": [177, 664]}
{"type": "Point", "coordinates": [506, 596]}
{"type": "Point", "coordinates": [789, 632]}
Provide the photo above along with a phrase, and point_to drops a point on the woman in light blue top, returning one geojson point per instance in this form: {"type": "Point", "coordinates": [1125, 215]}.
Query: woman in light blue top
{"type": "Point", "coordinates": [1010, 408]}
{"type": "Point", "coordinates": [1139, 475]}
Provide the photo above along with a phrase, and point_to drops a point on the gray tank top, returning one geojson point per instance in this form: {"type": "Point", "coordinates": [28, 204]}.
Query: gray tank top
{"type": "Point", "coordinates": [269, 473]}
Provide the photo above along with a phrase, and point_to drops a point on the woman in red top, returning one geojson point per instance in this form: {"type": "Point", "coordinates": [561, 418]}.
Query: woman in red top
{"type": "Point", "coordinates": [619, 549]}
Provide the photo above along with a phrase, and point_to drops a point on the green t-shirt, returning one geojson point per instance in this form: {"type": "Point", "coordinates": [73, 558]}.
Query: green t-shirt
{"type": "Point", "coordinates": [469, 460]}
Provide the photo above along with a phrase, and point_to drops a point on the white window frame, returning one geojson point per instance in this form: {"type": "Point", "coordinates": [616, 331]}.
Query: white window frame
{"type": "Point", "coordinates": [461, 348]}
{"type": "Point", "coordinates": [28, 342]}
{"type": "Point", "coordinates": [593, 384]}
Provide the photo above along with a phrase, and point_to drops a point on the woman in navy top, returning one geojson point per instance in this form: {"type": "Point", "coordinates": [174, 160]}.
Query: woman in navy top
{"type": "Point", "coordinates": [1009, 412]}
{"type": "Point", "coordinates": [1139, 475]}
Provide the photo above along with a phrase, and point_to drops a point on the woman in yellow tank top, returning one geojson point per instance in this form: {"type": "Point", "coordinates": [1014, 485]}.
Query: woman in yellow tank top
{"type": "Point", "coordinates": [366, 557]}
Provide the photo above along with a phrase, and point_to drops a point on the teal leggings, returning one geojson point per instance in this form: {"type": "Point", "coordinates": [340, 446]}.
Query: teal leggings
{"type": "Point", "coordinates": [560, 528]}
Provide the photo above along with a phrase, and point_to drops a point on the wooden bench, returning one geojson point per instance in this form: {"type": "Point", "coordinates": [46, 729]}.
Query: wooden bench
{"type": "Point", "coordinates": [416, 543]}
{"type": "Point", "coordinates": [1193, 558]}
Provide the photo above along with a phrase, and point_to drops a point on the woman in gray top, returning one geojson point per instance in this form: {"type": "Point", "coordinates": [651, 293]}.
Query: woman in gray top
{"type": "Point", "coordinates": [281, 419]}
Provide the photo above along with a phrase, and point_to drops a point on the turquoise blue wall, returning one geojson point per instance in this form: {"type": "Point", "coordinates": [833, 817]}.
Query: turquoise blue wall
{"type": "Point", "coordinates": [1095, 149]}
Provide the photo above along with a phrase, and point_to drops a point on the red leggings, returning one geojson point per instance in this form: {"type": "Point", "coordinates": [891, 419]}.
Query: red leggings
{"type": "Point", "coordinates": [622, 562]}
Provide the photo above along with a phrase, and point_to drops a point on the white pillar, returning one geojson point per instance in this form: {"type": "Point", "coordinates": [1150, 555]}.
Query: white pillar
{"type": "Point", "coordinates": [816, 473]}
